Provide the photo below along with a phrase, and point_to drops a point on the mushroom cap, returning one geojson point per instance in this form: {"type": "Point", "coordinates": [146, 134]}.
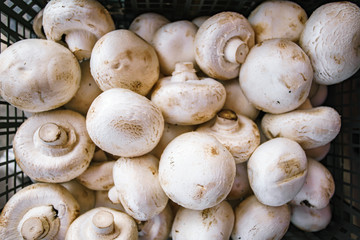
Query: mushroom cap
{"type": "Point", "coordinates": [79, 22]}
{"type": "Point", "coordinates": [140, 173]}
{"type": "Point", "coordinates": [98, 176]}
{"type": "Point", "coordinates": [103, 223]}
{"type": "Point", "coordinates": [276, 76]}
{"type": "Point", "coordinates": [256, 221]}
{"type": "Point", "coordinates": [84, 196]}
{"type": "Point", "coordinates": [318, 153]}
{"type": "Point", "coordinates": [311, 128]}
{"type": "Point", "coordinates": [38, 75]}
{"type": "Point", "coordinates": [212, 39]}
{"type": "Point", "coordinates": [133, 64]}
{"type": "Point", "coordinates": [37, 195]}
{"type": "Point", "coordinates": [196, 171]}
{"type": "Point", "coordinates": [278, 19]}
{"type": "Point", "coordinates": [198, 21]}
{"type": "Point", "coordinates": [211, 223]}
{"type": "Point", "coordinates": [277, 171]}
{"type": "Point", "coordinates": [124, 123]}
{"type": "Point", "coordinates": [331, 39]}
{"type": "Point", "coordinates": [174, 42]}
{"type": "Point", "coordinates": [241, 187]}
{"type": "Point", "coordinates": [38, 26]}
{"type": "Point", "coordinates": [239, 134]}
{"type": "Point", "coordinates": [145, 25]}
{"type": "Point", "coordinates": [318, 189]}
{"type": "Point", "coordinates": [102, 200]}
{"type": "Point", "coordinates": [53, 146]}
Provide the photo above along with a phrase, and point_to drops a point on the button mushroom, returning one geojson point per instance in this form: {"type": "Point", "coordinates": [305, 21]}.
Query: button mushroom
{"type": "Point", "coordinates": [38, 26]}
{"type": "Point", "coordinates": [241, 187]}
{"type": "Point", "coordinates": [38, 211]}
{"type": "Point", "coordinates": [81, 23]}
{"type": "Point", "coordinates": [198, 21]}
{"type": "Point", "coordinates": [53, 146]}
{"type": "Point", "coordinates": [237, 133]}
{"type": "Point", "coordinates": [133, 64]}
{"type": "Point", "coordinates": [84, 196]}
{"type": "Point", "coordinates": [318, 153]}
{"type": "Point", "coordinates": [331, 39]}
{"type": "Point", "coordinates": [103, 223]}
{"type": "Point", "coordinates": [196, 171]}
{"type": "Point", "coordinates": [38, 75]}
{"type": "Point", "coordinates": [124, 123]}
{"type": "Point", "coordinates": [185, 99]}
{"type": "Point", "coordinates": [276, 76]}
{"type": "Point", "coordinates": [102, 200]}
{"type": "Point", "coordinates": [222, 44]}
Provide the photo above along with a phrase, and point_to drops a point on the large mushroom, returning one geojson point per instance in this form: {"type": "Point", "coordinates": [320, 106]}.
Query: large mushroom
{"type": "Point", "coordinates": [38, 75]}
{"type": "Point", "coordinates": [80, 23]}
{"type": "Point", "coordinates": [53, 146]}
{"type": "Point", "coordinates": [38, 211]}
{"type": "Point", "coordinates": [222, 44]}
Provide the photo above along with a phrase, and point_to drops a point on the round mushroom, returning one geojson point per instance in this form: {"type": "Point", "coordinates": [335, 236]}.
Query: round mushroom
{"type": "Point", "coordinates": [53, 146]}
{"type": "Point", "coordinates": [222, 44]}
{"type": "Point", "coordinates": [198, 21]}
{"type": "Point", "coordinates": [133, 64]}
{"type": "Point", "coordinates": [38, 75]}
{"type": "Point", "coordinates": [318, 153]}
{"type": "Point", "coordinates": [81, 23]}
{"type": "Point", "coordinates": [278, 19]}
{"type": "Point", "coordinates": [276, 76]}
{"type": "Point", "coordinates": [84, 196]}
{"type": "Point", "coordinates": [38, 211]}
{"type": "Point", "coordinates": [185, 99]}
{"type": "Point", "coordinates": [331, 39]}
{"type": "Point", "coordinates": [103, 224]}
{"type": "Point", "coordinates": [124, 123]}
{"type": "Point", "coordinates": [241, 187]}
{"type": "Point", "coordinates": [38, 26]}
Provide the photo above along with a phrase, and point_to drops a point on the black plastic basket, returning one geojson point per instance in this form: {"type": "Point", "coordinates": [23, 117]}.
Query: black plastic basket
{"type": "Point", "coordinates": [343, 159]}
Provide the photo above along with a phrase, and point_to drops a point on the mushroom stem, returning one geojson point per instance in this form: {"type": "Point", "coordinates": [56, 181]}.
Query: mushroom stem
{"type": "Point", "coordinates": [184, 71]}
{"type": "Point", "coordinates": [34, 228]}
{"type": "Point", "coordinates": [236, 50]}
{"type": "Point", "coordinates": [103, 222]}
{"type": "Point", "coordinates": [226, 120]}
{"type": "Point", "coordinates": [53, 134]}
{"type": "Point", "coordinates": [81, 43]}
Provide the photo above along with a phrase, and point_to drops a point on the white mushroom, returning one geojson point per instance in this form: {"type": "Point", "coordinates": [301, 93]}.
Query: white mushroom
{"type": "Point", "coordinates": [124, 123]}
{"type": "Point", "coordinates": [198, 21]}
{"type": "Point", "coordinates": [98, 176]}
{"type": "Point", "coordinates": [145, 25]}
{"type": "Point", "coordinates": [103, 224]}
{"type": "Point", "coordinates": [311, 128]}
{"type": "Point", "coordinates": [196, 171]}
{"type": "Point", "coordinates": [241, 187]}
{"type": "Point", "coordinates": [185, 99]}
{"type": "Point", "coordinates": [318, 94]}
{"type": "Point", "coordinates": [38, 75]}
{"type": "Point", "coordinates": [174, 42]}
{"type": "Point", "coordinates": [211, 223]}
{"type": "Point", "coordinates": [256, 221]}
{"type": "Point", "coordinates": [81, 23]}
{"type": "Point", "coordinates": [53, 146]}
{"type": "Point", "coordinates": [332, 41]}
{"type": "Point", "coordinates": [38, 211]}
{"type": "Point", "coordinates": [278, 19]}
{"type": "Point", "coordinates": [102, 200]}
{"type": "Point", "coordinates": [222, 44]}
{"type": "Point", "coordinates": [84, 196]}
{"type": "Point", "coordinates": [318, 153]}
{"type": "Point", "coordinates": [277, 170]}
{"type": "Point", "coordinates": [318, 189]}
{"type": "Point", "coordinates": [133, 64]}
{"type": "Point", "coordinates": [237, 133]}
{"type": "Point", "coordinates": [138, 187]}
{"type": "Point", "coordinates": [38, 26]}
{"type": "Point", "coordinates": [276, 76]}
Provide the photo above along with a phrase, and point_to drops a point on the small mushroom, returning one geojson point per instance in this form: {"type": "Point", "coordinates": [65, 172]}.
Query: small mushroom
{"type": "Point", "coordinates": [237, 133]}
{"type": "Point", "coordinates": [124, 123]}
{"type": "Point", "coordinates": [174, 42]}
{"type": "Point", "coordinates": [133, 64]}
{"type": "Point", "coordinates": [185, 99]}
{"type": "Point", "coordinates": [53, 146]}
{"type": "Point", "coordinates": [38, 26]}
{"type": "Point", "coordinates": [38, 211]}
{"type": "Point", "coordinates": [222, 44]}
{"type": "Point", "coordinates": [84, 196]}
{"type": "Point", "coordinates": [145, 25]}
{"type": "Point", "coordinates": [198, 21]}
{"type": "Point", "coordinates": [256, 221]}
{"type": "Point", "coordinates": [103, 224]}
{"type": "Point", "coordinates": [318, 153]}
{"type": "Point", "coordinates": [331, 39]}
{"type": "Point", "coordinates": [276, 76]}
{"type": "Point", "coordinates": [311, 128]}
{"type": "Point", "coordinates": [318, 189]}
{"type": "Point", "coordinates": [38, 75]}
{"type": "Point", "coordinates": [211, 223]}
{"type": "Point", "coordinates": [278, 19]}
{"type": "Point", "coordinates": [309, 219]}
{"type": "Point", "coordinates": [138, 187]}
{"type": "Point", "coordinates": [81, 23]}
{"type": "Point", "coordinates": [102, 200]}
{"type": "Point", "coordinates": [196, 171]}
{"type": "Point", "coordinates": [277, 171]}
{"type": "Point", "coordinates": [241, 187]}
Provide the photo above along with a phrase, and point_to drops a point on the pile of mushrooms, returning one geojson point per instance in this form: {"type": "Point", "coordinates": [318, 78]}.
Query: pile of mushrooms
{"type": "Point", "coordinates": [211, 129]}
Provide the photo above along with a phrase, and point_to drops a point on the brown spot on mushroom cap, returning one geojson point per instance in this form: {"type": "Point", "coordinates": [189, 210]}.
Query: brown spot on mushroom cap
{"type": "Point", "coordinates": [135, 130]}
{"type": "Point", "coordinates": [283, 44]}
